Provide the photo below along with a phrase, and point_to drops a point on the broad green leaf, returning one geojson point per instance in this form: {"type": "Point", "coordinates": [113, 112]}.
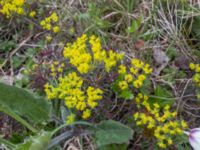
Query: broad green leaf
{"type": "Point", "coordinates": [126, 94]}
{"type": "Point", "coordinates": [147, 87]}
{"type": "Point", "coordinates": [114, 147]}
{"type": "Point", "coordinates": [39, 142]}
{"type": "Point", "coordinates": [162, 96]}
{"type": "Point", "coordinates": [23, 103]}
{"type": "Point", "coordinates": [112, 132]}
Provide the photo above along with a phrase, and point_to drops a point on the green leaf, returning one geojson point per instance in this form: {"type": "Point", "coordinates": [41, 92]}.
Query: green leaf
{"type": "Point", "coordinates": [127, 94]}
{"type": "Point", "coordinates": [195, 27]}
{"type": "Point", "coordinates": [172, 53]}
{"type": "Point", "coordinates": [7, 143]}
{"type": "Point", "coordinates": [30, 52]}
{"type": "Point", "coordinates": [147, 87]}
{"type": "Point", "coordinates": [162, 96]}
{"type": "Point", "coordinates": [39, 142]}
{"type": "Point", "coordinates": [114, 147]}
{"type": "Point", "coordinates": [112, 132]}
{"type": "Point", "coordinates": [23, 103]}
{"type": "Point", "coordinates": [134, 26]}
{"type": "Point", "coordinates": [17, 61]}
{"type": "Point", "coordinates": [7, 45]}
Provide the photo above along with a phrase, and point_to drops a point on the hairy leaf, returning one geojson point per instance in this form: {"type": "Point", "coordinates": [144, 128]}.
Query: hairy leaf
{"type": "Point", "coordinates": [114, 147]}
{"type": "Point", "coordinates": [39, 142]}
{"type": "Point", "coordinates": [23, 103]}
{"type": "Point", "coordinates": [111, 132]}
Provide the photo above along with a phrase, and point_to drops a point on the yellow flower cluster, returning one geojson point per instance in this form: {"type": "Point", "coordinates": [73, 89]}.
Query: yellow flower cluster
{"type": "Point", "coordinates": [10, 7]}
{"type": "Point", "coordinates": [83, 58]}
{"type": "Point", "coordinates": [49, 23]}
{"type": "Point", "coordinates": [93, 96]}
{"type": "Point", "coordinates": [161, 120]}
{"type": "Point", "coordinates": [196, 77]}
{"type": "Point", "coordinates": [57, 68]}
{"type": "Point", "coordinates": [140, 70]}
{"type": "Point", "coordinates": [50, 91]}
{"type": "Point", "coordinates": [78, 55]}
{"type": "Point", "coordinates": [109, 58]}
{"type": "Point", "coordinates": [70, 90]}
{"type": "Point", "coordinates": [135, 75]}
{"type": "Point", "coordinates": [70, 118]}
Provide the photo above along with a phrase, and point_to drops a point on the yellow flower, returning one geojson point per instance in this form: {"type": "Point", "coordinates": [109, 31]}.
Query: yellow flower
{"type": "Point", "coordinates": [197, 68]}
{"type": "Point", "coordinates": [160, 119]}
{"type": "Point", "coordinates": [137, 84]}
{"type": "Point", "coordinates": [123, 85]}
{"type": "Point", "coordinates": [48, 38]}
{"type": "Point", "coordinates": [169, 141]}
{"type": "Point", "coordinates": [192, 66]}
{"type": "Point", "coordinates": [162, 145]}
{"type": "Point", "coordinates": [122, 69]}
{"type": "Point", "coordinates": [32, 14]}
{"type": "Point", "coordinates": [93, 96]}
{"type": "Point", "coordinates": [112, 59]}
{"type": "Point", "coordinates": [86, 114]}
{"type": "Point", "coordinates": [42, 23]}
{"type": "Point", "coordinates": [47, 26]}
{"type": "Point", "coordinates": [184, 124]}
{"type": "Point", "coordinates": [18, 2]}
{"type": "Point", "coordinates": [136, 115]}
{"type": "Point", "coordinates": [50, 21]}
{"type": "Point", "coordinates": [78, 55]}
{"type": "Point", "coordinates": [137, 63]}
{"type": "Point", "coordinates": [128, 78]}
{"type": "Point", "coordinates": [20, 11]}
{"type": "Point", "coordinates": [70, 118]}
{"type": "Point", "coordinates": [54, 17]}
{"type": "Point", "coordinates": [134, 70]}
{"type": "Point", "coordinates": [56, 29]}
{"type": "Point", "coordinates": [147, 69]}
{"type": "Point", "coordinates": [9, 8]}
{"type": "Point", "coordinates": [141, 77]}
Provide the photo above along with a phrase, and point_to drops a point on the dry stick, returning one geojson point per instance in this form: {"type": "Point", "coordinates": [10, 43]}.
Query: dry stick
{"type": "Point", "coordinates": [189, 112]}
{"type": "Point", "coordinates": [191, 108]}
{"type": "Point", "coordinates": [120, 109]}
{"type": "Point", "coordinates": [12, 72]}
{"type": "Point", "coordinates": [3, 71]}
{"type": "Point", "coordinates": [115, 104]}
{"type": "Point", "coordinates": [68, 142]}
{"type": "Point", "coordinates": [90, 143]}
{"type": "Point", "coordinates": [109, 15]}
{"type": "Point", "coordinates": [138, 140]}
{"type": "Point", "coordinates": [14, 51]}
{"type": "Point", "coordinates": [179, 102]}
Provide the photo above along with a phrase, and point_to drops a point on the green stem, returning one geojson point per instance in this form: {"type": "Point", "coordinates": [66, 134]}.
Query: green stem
{"type": "Point", "coordinates": [58, 107]}
{"type": "Point", "coordinates": [19, 119]}
{"type": "Point", "coordinates": [75, 123]}
{"type": "Point", "coordinates": [7, 143]}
